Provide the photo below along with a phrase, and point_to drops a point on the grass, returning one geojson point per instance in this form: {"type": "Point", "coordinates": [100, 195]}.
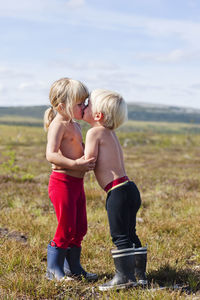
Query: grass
{"type": "Point", "coordinates": [163, 159]}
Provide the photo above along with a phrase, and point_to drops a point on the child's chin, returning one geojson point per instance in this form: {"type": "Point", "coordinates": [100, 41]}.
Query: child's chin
{"type": "Point", "coordinates": [85, 119]}
{"type": "Point", "coordinates": [78, 117]}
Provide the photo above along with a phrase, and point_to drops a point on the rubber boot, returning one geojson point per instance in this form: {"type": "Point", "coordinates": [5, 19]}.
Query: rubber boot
{"type": "Point", "coordinates": [73, 258]}
{"type": "Point", "coordinates": [124, 270]}
{"type": "Point", "coordinates": [140, 265]}
{"type": "Point", "coordinates": [67, 270]}
{"type": "Point", "coordinates": [55, 263]}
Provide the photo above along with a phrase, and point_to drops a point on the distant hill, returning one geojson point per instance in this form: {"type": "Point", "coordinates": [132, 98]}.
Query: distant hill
{"type": "Point", "coordinates": [138, 112]}
{"type": "Point", "coordinates": [162, 113]}
{"type": "Point", "coordinates": [36, 112]}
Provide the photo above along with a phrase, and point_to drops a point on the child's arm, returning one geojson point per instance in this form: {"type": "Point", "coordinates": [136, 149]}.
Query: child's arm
{"type": "Point", "coordinates": [91, 144]}
{"type": "Point", "coordinates": [55, 135]}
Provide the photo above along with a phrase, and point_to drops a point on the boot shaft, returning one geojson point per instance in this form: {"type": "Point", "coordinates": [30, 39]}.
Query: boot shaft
{"type": "Point", "coordinates": [141, 258]}
{"type": "Point", "coordinates": [73, 259]}
{"type": "Point", "coordinates": [124, 265]}
{"type": "Point", "coordinates": [55, 262]}
{"type": "Point", "coordinates": [140, 264]}
{"type": "Point", "coordinates": [124, 261]}
{"type": "Point", "coordinates": [55, 255]}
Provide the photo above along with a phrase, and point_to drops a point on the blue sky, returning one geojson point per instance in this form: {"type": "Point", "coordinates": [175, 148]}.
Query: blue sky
{"type": "Point", "coordinates": [148, 50]}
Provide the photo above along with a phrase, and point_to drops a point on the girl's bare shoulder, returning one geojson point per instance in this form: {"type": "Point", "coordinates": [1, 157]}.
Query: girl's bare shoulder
{"type": "Point", "coordinates": [59, 126]}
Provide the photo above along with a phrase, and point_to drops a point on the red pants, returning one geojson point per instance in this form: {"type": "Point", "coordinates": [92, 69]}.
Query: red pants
{"type": "Point", "coordinates": [68, 198]}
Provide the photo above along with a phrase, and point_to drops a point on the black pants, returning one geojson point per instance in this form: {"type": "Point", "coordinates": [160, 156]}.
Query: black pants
{"type": "Point", "coordinates": [122, 204]}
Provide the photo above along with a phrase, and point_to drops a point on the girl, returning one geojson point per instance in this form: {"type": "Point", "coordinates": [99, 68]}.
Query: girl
{"type": "Point", "coordinates": [65, 152]}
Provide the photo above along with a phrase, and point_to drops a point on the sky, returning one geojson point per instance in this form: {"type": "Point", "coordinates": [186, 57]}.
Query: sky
{"type": "Point", "coordinates": [147, 50]}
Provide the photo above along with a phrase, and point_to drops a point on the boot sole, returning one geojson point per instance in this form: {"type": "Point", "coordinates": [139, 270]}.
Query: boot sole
{"type": "Point", "coordinates": [82, 277]}
{"type": "Point", "coordinates": [142, 282]}
{"type": "Point", "coordinates": [117, 287]}
{"type": "Point", "coordinates": [52, 277]}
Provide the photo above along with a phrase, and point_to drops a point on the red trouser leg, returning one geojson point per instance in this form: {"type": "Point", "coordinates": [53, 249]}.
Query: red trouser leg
{"type": "Point", "coordinates": [66, 193]}
{"type": "Point", "coordinates": [81, 221]}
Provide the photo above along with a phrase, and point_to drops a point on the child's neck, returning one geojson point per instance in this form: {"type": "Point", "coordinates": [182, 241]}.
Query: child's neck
{"type": "Point", "coordinates": [62, 117]}
{"type": "Point", "coordinates": [97, 124]}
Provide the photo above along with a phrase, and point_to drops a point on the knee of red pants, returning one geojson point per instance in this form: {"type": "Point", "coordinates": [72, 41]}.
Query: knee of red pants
{"type": "Point", "coordinates": [62, 242]}
{"type": "Point", "coordinates": [69, 242]}
{"type": "Point", "coordinates": [63, 236]}
{"type": "Point", "coordinates": [77, 239]}
{"type": "Point", "coordinates": [65, 239]}
{"type": "Point", "coordinates": [75, 243]}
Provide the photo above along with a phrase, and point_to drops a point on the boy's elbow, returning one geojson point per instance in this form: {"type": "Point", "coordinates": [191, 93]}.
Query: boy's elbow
{"type": "Point", "coordinates": [91, 155]}
{"type": "Point", "coordinates": [94, 157]}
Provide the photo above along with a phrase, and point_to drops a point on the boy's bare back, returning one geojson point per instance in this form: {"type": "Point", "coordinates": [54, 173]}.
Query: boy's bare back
{"type": "Point", "coordinates": [103, 144]}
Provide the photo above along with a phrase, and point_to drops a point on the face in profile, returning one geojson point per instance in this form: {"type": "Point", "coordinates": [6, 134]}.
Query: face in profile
{"type": "Point", "coordinates": [87, 113]}
{"type": "Point", "coordinates": [78, 110]}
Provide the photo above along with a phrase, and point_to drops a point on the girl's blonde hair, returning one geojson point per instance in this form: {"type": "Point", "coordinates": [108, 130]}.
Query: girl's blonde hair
{"type": "Point", "coordinates": [67, 91]}
{"type": "Point", "coordinates": [111, 105]}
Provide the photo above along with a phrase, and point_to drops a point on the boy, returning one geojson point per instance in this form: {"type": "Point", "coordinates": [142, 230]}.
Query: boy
{"type": "Point", "coordinates": [105, 111]}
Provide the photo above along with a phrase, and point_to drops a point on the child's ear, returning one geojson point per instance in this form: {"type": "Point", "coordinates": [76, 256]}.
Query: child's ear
{"type": "Point", "coordinates": [98, 116]}
{"type": "Point", "coordinates": [61, 107]}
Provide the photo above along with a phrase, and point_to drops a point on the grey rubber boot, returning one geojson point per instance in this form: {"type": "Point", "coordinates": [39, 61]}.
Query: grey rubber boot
{"type": "Point", "coordinates": [140, 265]}
{"type": "Point", "coordinates": [124, 270]}
{"type": "Point", "coordinates": [73, 258]}
{"type": "Point", "coordinates": [55, 263]}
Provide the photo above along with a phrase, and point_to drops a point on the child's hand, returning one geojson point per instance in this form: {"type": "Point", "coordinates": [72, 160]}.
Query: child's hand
{"type": "Point", "coordinates": [85, 165]}
{"type": "Point", "coordinates": [55, 167]}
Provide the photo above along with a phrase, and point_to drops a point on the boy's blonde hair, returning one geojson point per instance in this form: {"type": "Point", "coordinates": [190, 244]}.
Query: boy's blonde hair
{"type": "Point", "coordinates": [67, 91]}
{"type": "Point", "coordinates": [111, 105]}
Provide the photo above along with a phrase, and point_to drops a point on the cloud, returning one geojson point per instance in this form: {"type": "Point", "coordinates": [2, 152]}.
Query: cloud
{"type": "Point", "coordinates": [96, 65]}
{"type": "Point", "coordinates": [2, 88]}
{"type": "Point", "coordinates": [162, 28]}
{"type": "Point", "coordinates": [25, 94]}
{"type": "Point", "coordinates": [34, 86]}
{"type": "Point", "coordinates": [75, 3]}
{"type": "Point", "coordinates": [134, 84]}
{"type": "Point", "coordinates": [195, 86]}
{"type": "Point", "coordinates": [192, 3]}
{"type": "Point", "coordinates": [12, 73]}
{"type": "Point", "coordinates": [81, 13]}
{"type": "Point", "coordinates": [40, 10]}
{"type": "Point", "coordinates": [166, 43]}
{"type": "Point", "coordinates": [174, 56]}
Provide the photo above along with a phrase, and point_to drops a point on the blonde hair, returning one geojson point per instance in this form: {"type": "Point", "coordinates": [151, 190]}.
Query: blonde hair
{"type": "Point", "coordinates": [111, 105]}
{"type": "Point", "coordinates": [67, 91]}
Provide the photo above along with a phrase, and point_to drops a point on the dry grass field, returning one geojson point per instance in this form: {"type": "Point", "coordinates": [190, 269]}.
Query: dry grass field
{"type": "Point", "coordinates": [164, 161]}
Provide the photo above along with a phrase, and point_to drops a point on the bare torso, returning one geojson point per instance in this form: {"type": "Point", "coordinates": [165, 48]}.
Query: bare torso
{"type": "Point", "coordinates": [71, 146]}
{"type": "Point", "coordinates": [110, 163]}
